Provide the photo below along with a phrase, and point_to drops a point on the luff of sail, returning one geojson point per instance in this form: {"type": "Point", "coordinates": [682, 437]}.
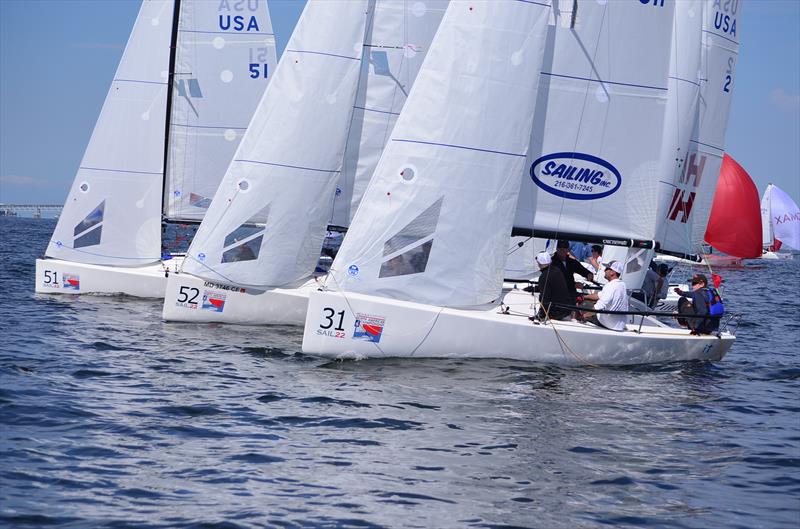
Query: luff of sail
{"type": "Point", "coordinates": [113, 211]}
{"type": "Point", "coordinates": [596, 141]}
{"type": "Point", "coordinates": [224, 57]}
{"type": "Point", "coordinates": [266, 223]}
{"type": "Point", "coordinates": [434, 222]}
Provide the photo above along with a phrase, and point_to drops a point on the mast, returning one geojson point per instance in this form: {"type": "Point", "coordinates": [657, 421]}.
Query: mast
{"type": "Point", "coordinates": [173, 46]}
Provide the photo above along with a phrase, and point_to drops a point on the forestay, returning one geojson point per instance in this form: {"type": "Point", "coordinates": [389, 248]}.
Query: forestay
{"type": "Point", "coordinates": [594, 160]}
{"type": "Point", "coordinates": [399, 41]}
{"type": "Point", "coordinates": [112, 215]}
{"type": "Point", "coordinates": [224, 56]}
{"type": "Point", "coordinates": [686, 204]}
{"type": "Point", "coordinates": [434, 222]}
{"type": "Point", "coordinates": [267, 221]}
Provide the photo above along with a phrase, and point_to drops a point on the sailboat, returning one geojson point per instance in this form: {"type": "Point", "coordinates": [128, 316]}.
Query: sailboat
{"type": "Point", "coordinates": [780, 223]}
{"type": "Point", "coordinates": [419, 273]}
{"type": "Point", "coordinates": [304, 162]}
{"type": "Point", "coordinates": [188, 82]}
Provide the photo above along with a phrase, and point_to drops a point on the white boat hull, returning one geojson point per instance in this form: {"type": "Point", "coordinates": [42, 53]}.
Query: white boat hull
{"type": "Point", "coordinates": [189, 298]}
{"type": "Point", "coordinates": [55, 276]}
{"type": "Point", "coordinates": [776, 256]}
{"type": "Point", "coordinates": [357, 326]}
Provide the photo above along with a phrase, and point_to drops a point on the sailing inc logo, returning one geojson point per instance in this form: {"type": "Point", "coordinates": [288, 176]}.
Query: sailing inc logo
{"type": "Point", "coordinates": [575, 175]}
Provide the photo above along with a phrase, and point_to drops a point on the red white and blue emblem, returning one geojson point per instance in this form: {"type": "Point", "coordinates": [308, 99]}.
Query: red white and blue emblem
{"type": "Point", "coordinates": [368, 328]}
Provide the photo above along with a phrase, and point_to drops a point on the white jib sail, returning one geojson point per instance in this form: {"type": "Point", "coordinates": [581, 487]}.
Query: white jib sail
{"type": "Point", "coordinates": [224, 57]}
{"type": "Point", "coordinates": [767, 237]}
{"type": "Point", "coordinates": [596, 142]}
{"type": "Point", "coordinates": [785, 218]}
{"type": "Point", "coordinates": [689, 204]}
{"type": "Point", "coordinates": [112, 215]}
{"type": "Point", "coordinates": [434, 223]}
{"type": "Point", "coordinates": [267, 221]}
{"type": "Point", "coordinates": [399, 41]}
{"type": "Point", "coordinates": [681, 120]}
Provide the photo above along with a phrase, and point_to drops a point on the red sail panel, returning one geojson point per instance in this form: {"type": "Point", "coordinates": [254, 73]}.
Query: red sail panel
{"type": "Point", "coordinates": [734, 226]}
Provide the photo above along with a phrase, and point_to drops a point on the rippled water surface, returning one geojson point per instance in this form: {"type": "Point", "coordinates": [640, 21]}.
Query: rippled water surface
{"type": "Point", "coordinates": [111, 418]}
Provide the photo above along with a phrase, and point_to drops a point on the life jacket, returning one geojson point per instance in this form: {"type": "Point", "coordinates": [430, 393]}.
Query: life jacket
{"type": "Point", "coordinates": [714, 302]}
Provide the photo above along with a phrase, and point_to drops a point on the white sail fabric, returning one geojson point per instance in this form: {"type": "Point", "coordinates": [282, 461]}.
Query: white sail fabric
{"type": "Point", "coordinates": [785, 218]}
{"type": "Point", "coordinates": [224, 57]}
{"type": "Point", "coordinates": [685, 76]}
{"type": "Point", "coordinates": [596, 144]}
{"type": "Point", "coordinates": [767, 236]}
{"type": "Point", "coordinates": [688, 205]}
{"type": "Point", "coordinates": [266, 224]}
{"type": "Point", "coordinates": [399, 41]}
{"type": "Point", "coordinates": [113, 211]}
{"type": "Point", "coordinates": [433, 225]}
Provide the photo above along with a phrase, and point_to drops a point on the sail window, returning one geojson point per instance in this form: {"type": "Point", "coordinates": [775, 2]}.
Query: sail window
{"type": "Point", "coordinates": [92, 219]}
{"type": "Point", "coordinates": [199, 201]}
{"type": "Point", "coordinates": [380, 63]}
{"type": "Point", "coordinates": [247, 251]}
{"type": "Point", "coordinates": [242, 232]}
{"type": "Point", "coordinates": [413, 261]}
{"type": "Point", "coordinates": [90, 238]}
{"type": "Point", "coordinates": [421, 227]}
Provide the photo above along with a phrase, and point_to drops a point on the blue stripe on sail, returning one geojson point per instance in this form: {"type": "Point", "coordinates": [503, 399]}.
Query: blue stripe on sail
{"type": "Point", "coordinates": [376, 110]}
{"type": "Point", "coordinates": [117, 170]}
{"type": "Point", "coordinates": [685, 80]}
{"type": "Point", "coordinates": [289, 166]}
{"type": "Point", "coordinates": [720, 36]}
{"type": "Point", "coordinates": [460, 147]}
{"type": "Point", "coordinates": [207, 126]}
{"type": "Point", "coordinates": [534, 3]}
{"type": "Point", "coordinates": [604, 82]}
{"type": "Point", "coordinates": [328, 54]}
{"type": "Point", "coordinates": [707, 145]}
{"type": "Point", "coordinates": [226, 32]}
{"type": "Point", "coordinates": [138, 81]}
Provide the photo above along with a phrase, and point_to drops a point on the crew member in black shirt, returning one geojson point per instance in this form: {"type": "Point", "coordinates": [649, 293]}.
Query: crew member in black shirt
{"type": "Point", "coordinates": [568, 265]}
{"type": "Point", "coordinates": [552, 288]}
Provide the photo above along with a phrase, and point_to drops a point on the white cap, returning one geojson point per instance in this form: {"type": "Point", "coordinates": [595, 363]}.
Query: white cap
{"type": "Point", "coordinates": [616, 266]}
{"type": "Point", "coordinates": [543, 258]}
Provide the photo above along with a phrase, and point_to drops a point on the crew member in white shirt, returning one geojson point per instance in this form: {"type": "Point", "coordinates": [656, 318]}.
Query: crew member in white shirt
{"type": "Point", "coordinates": [613, 297]}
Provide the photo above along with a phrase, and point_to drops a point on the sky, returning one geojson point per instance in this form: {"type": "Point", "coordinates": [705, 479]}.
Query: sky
{"type": "Point", "coordinates": [58, 57]}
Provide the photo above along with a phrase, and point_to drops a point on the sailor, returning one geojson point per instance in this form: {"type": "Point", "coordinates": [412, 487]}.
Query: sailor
{"type": "Point", "coordinates": [552, 288]}
{"type": "Point", "coordinates": [569, 266]}
{"type": "Point", "coordinates": [613, 297]}
{"type": "Point", "coordinates": [697, 302]}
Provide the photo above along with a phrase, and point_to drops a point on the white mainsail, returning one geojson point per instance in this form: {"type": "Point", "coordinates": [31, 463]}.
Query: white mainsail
{"type": "Point", "coordinates": [434, 222]}
{"type": "Point", "coordinates": [596, 143]}
{"type": "Point", "coordinates": [224, 56]}
{"type": "Point", "coordinates": [784, 217]}
{"type": "Point", "coordinates": [112, 215]}
{"type": "Point", "coordinates": [767, 236]}
{"type": "Point", "coordinates": [400, 37]}
{"type": "Point", "coordinates": [687, 200]}
{"type": "Point", "coordinates": [321, 125]}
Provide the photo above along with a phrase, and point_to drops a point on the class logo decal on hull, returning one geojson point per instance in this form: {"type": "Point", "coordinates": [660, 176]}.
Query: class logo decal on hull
{"type": "Point", "coordinates": [575, 175]}
{"type": "Point", "coordinates": [368, 328]}
{"type": "Point", "coordinates": [71, 282]}
{"type": "Point", "coordinates": [213, 301]}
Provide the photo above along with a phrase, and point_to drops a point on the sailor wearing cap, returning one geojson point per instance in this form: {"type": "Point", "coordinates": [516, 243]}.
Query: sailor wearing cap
{"type": "Point", "coordinates": [613, 297]}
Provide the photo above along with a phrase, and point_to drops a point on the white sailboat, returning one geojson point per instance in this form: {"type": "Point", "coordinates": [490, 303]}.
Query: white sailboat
{"type": "Point", "coordinates": [780, 223]}
{"type": "Point", "coordinates": [304, 162]}
{"type": "Point", "coordinates": [188, 82]}
{"type": "Point", "coordinates": [420, 271]}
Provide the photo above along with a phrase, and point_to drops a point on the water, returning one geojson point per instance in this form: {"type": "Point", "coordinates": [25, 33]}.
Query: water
{"type": "Point", "coordinates": [111, 418]}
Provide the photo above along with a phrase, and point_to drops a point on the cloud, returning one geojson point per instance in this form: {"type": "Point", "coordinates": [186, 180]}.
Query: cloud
{"type": "Point", "coordinates": [784, 101]}
{"type": "Point", "coordinates": [21, 181]}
